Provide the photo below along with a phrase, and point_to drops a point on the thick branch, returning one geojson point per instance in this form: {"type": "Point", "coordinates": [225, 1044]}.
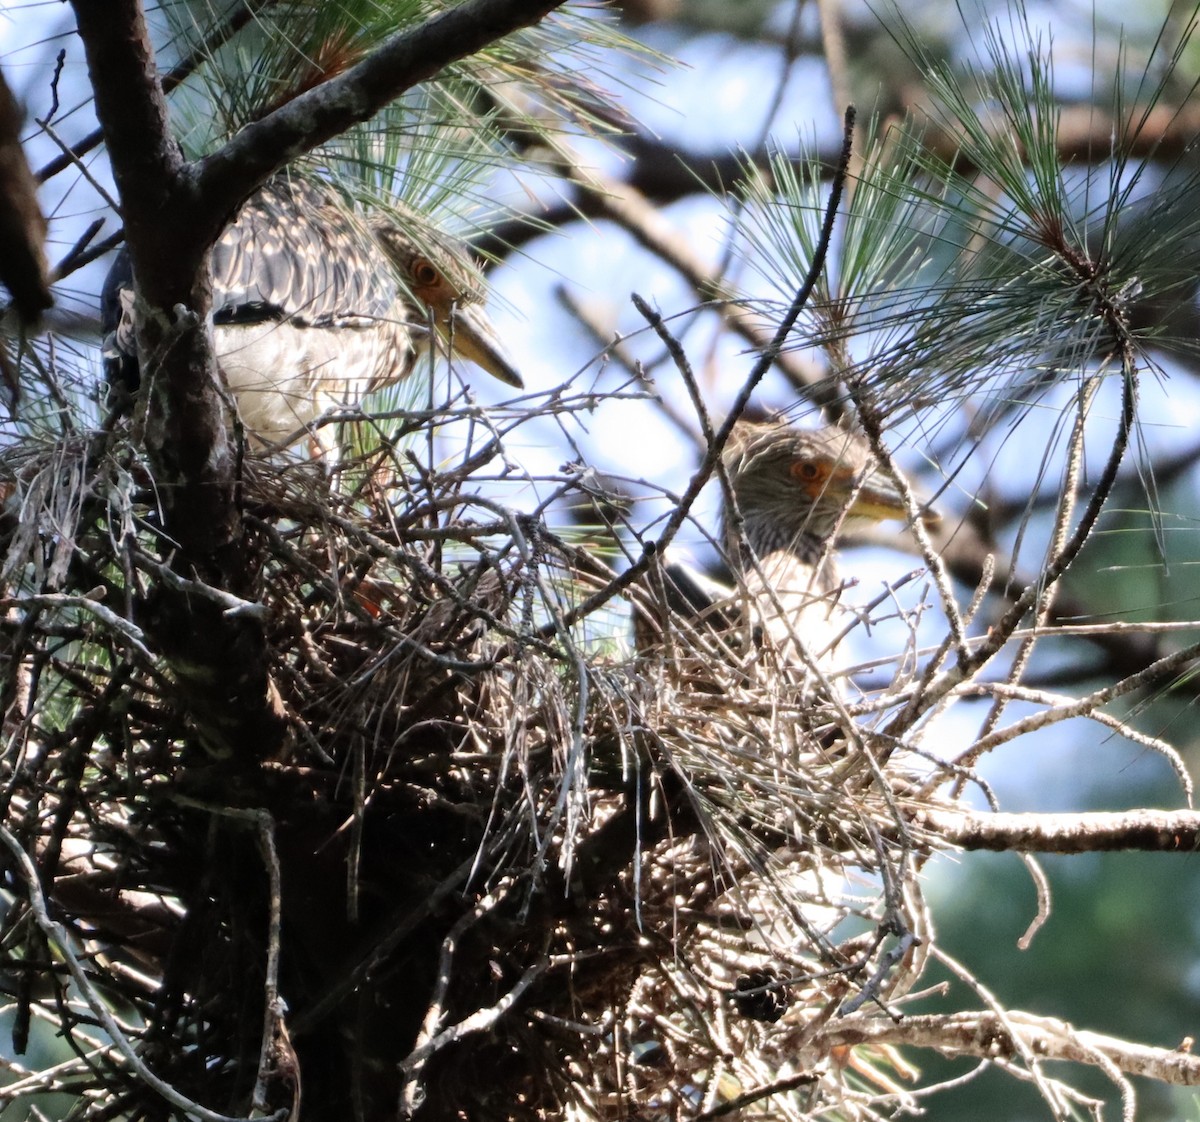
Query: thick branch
{"type": "Point", "coordinates": [1153, 831]}
{"type": "Point", "coordinates": [186, 434]}
{"type": "Point", "coordinates": [262, 147]}
{"type": "Point", "coordinates": [1084, 134]}
{"type": "Point", "coordinates": [235, 20]}
{"type": "Point", "coordinates": [173, 212]}
{"type": "Point", "coordinates": [146, 159]}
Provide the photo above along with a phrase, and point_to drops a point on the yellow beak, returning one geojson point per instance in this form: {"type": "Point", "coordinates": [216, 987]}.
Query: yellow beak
{"type": "Point", "coordinates": [470, 335]}
{"type": "Point", "coordinates": [877, 500]}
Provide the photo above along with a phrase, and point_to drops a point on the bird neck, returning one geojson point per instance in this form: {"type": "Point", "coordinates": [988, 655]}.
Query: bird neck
{"type": "Point", "coordinates": [764, 538]}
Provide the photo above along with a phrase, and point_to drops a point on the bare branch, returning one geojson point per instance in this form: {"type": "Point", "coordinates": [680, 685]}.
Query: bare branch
{"type": "Point", "coordinates": [236, 19]}
{"type": "Point", "coordinates": [226, 177]}
{"type": "Point", "coordinates": [1149, 831]}
{"type": "Point", "coordinates": [721, 437]}
{"type": "Point", "coordinates": [984, 1035]}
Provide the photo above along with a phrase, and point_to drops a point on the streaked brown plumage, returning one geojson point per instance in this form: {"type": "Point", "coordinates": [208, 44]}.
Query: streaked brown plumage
{"type": "Point", "coordinates": [314, 307]}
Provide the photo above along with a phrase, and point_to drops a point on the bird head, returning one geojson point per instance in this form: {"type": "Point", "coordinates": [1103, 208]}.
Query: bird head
{"type": "Point", "coordinates": [794, 485]}
{"type": "Point", "coordinates": [438, 273]}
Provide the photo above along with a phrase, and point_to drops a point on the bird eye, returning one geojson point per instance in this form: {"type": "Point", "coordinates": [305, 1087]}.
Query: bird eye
{"type": "Point", "coordinates": [806, 470]}
{"type": "Point", "coordinates": [424, 273]}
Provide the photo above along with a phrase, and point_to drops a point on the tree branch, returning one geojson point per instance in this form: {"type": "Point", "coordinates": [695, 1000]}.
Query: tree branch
{"type": "Point", "coordinates": [1148, 831]}
{"type": "Point", "coordinates": [186, 433]}
{"type": "Point", "coordinates": [1083, 133]}
{"type": "Point", "coordinates": [173, 212]}
{"type": "Point", "coordinates": [146, 159]}
{"type": "Point", "coordinates": [234, 21]}
{"type": "Point", "coordinates": [986, 1035]}
{"type": "Point", "coordinates": [226, 177]}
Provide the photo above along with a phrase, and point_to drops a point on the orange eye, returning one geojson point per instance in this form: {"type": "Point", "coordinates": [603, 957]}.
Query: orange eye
{"type": "Point", "coordinates": [808, 471]}
{"type": "Point", "coordinates": [424, 273]}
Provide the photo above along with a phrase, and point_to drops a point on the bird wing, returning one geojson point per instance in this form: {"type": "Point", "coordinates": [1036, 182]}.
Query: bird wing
{"type": "Point", "coordinates": [293, 253]}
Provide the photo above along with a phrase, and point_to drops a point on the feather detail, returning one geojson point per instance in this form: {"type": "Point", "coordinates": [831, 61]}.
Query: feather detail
{"type": "Point", "coordinates": [313, 307]}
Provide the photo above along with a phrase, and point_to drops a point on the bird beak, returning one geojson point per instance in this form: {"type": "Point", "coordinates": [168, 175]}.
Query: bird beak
{"type": "Point", "coordinates": [877, 500]}
{"type": "Point", "coordinates": [471, 336]}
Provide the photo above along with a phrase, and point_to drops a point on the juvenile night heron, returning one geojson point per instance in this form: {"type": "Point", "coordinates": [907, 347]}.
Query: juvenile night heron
{"type": "Point", "coordinates": [313, 308]}
{"type": "Point", "coordinates": [796, 492]}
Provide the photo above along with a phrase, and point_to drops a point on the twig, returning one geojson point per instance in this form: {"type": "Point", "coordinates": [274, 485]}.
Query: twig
{"type": "Point", "coordinates": [399, 927]}
{"type": "Point", "coordinates": [82, 168]}
{"type": "Point", "coordinates": [67, 263]}
{"type": "Point", "coordinates": [833, 49]}
{"type": "Point", "coordinates": [1029, 1056]}
{"type": "Point", "coordinates": [1041, 886]}
{"type": "Point", "coordinates": [481, 1019]}
{"type": "Point", "coordinates": [1054, 702]}
{"type": "Point", "coordinates": [274, 1028]}
{"type": "Point", "coordinates": [232, 606]}
{"type": "Point", "coordinates": [1068, 493]}
{"type": "Point", "coordinates": [48, 1078]}
{"type": "Point", "coordinates": [435, 1013]}
{"type": "Point", "coordinates": [59, 939]}
{"type": "Point", "coordinates": [987, 1035]}
{"type": "Point", "coordinates": [238, 17]}
{"type": "Point", "coordinates": [57, 601]}
{"type": "Point", "coordinates": [58, 67]}
{"type": "Point", "coordinates": [1003, 630]}
{"type": "Point", "coordinates": [612, 346]}
{"type": "Point", "coordinates": [956, 636]}
{"type": "Point", "coordinates": [1086, 707]}
{"type": "Point", "coordinates": [678, 516]}
{"type": "Point", "coordinates": [748, 1098]}
{"type": "Point", "coordinates": [71, 264]}
{"type": "Point", "coordinates": [273, 1007]}
{"type": "Point", "coordinates": [817, 266]}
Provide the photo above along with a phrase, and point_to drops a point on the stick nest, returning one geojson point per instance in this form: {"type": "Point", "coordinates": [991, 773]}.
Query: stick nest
{"type": "Point", "coordinates": [494, 860]}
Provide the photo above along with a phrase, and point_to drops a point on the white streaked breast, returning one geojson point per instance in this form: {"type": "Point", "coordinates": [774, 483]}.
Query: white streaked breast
{"type": "Point", "coordinates": [284, 376]}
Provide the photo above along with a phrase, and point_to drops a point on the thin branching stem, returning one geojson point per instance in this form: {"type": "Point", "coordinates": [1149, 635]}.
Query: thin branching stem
{"type": "Point", "coordinates": [702, 474]}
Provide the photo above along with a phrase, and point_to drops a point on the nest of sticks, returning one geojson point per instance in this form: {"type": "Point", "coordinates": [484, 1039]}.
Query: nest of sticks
{"type": "Point", "coordinates": [505, 862]}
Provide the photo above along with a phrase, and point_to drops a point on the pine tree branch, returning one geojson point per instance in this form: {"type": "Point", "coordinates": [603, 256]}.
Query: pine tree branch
{"type": "Point", "coordinates": [168, 234]}
{"type": "Point", "coordinates": [226, 177]}
{"type": "Point", "coordinates": [147, 162]}
{"type": "Point", "coordinates": [1147, 831]}
{"type": "Point", "coordinates": [1084, 134]}
{"type": "Point", "coordinates": [235, 20]}
{"type": "Point", "coordinates": [173, 212]}
{"type": "Point", "coordinates": [718, 440]}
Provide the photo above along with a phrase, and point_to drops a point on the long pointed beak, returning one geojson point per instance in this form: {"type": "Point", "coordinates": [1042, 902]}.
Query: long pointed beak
{"type": "Point", "coordinates": [473, 337]}
{"type": "Point", "coordinates": [876, 499]}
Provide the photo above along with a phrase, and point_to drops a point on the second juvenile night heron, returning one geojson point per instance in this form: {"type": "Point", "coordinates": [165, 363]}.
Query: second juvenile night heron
{"type": "Point", "coordinates": [315, 307]}
{"type": "Point", "coordinates": [797, 491]}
